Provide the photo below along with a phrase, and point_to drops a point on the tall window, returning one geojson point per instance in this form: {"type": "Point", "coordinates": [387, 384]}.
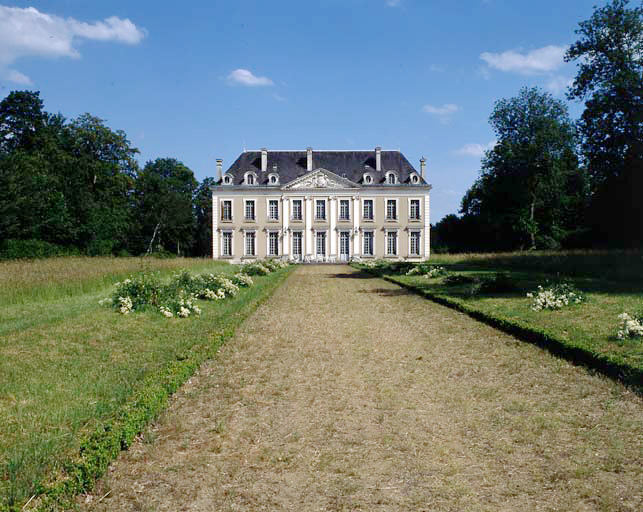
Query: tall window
{"type": "Point", "coordinates": [250, 243]}
{"type": "Point", "coordinates": [415, 243]}
{"type": "Point", "coordinates": [296, 244]}
{"type": "Point", "coordinates": [226, 210]}
{"type": "Point", "coordinates": [296, 209]}
{"type": "Point", "coordinates": [368, 209]}
{"type": "Point", "coordinates": [391, 243]}
{"type": "Point", "coordinates": [344, 209]}
{"type": "Point", "coordinates": [414, 211]}
{"type": "Point", "coordinates": [390, 179]}
{"type": "Point", "coordinates": [273, 243]}
{"type": "Point", "coordinates": [368, 243]}
{"type": "Point", "coordinates": [320, 209]}
{"type": "Point", "coordinates": [250, 179]}
{"type": "Point", "coordinates": [273, 209]}
{"type": "Point", "coordinates": [391, 209]}
{"type": "Point", "coordinates": [226, 243]}
{"type": "Point", "coordinates": [250, 210]}
{"type": "Point", "coordinates": [320, 239]}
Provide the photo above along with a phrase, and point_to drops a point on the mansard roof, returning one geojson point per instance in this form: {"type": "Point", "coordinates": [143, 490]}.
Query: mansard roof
{"type": "Point", "coordinates": [351, 165]}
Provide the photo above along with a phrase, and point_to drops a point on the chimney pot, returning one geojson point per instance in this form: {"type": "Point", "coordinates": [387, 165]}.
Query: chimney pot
{"type": "Point", "coordinates": [423, 167]}
{"type": "Point", "coordinates": [378, 158]}
{"type": "Point", "coordinates": [309, 159]}
{"type": "Point", "coordinates": [219, 169]}
{"type": "Point", "coordinates": [264, 159]}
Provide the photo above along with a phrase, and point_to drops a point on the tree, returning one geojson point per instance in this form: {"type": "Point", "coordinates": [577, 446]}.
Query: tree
{"type": "Point", "coordinates": [164, 192]}
{"type": "Point", "coordinates": [529, 188]}
{"type": "Point", "coordinates": [610, 79]}
{"type": "Point", "coordinates": [21, 119]}
{"type": "Point", "coordinates": [203, 218]}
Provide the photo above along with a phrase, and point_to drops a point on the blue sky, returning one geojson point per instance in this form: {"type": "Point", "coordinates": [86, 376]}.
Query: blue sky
{"type": "Point", "coordinates": [198, 80]}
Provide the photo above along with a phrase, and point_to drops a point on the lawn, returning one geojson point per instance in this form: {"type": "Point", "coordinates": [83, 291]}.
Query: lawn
{"type": "Point", "coordinates": [70, 366]}
{"type": "Point", "coordinates": [612, 283]}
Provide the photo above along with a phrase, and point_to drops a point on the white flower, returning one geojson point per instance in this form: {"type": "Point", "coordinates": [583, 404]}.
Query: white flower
{"type": "Point", "coordinates": [166, 312]}
{"type": "Point", "coordinates": [125, 305]}
{"type": "Point", "coordinates": [629, 327]}
{"type": "Point", "coordinates": [184, 312]}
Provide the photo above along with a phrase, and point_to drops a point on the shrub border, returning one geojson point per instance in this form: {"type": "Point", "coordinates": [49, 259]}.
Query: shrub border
{"type": "Point", "coordinates": [630, 376]}
{"type": "Point", "coordinates": [100, 447]}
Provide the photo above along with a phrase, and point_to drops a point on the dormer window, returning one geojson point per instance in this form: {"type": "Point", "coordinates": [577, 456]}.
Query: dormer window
{"type": "Point", "coordinates": [415, 179]}
{"type": "Point", "coordinates": [391, 178]}
{"type": "Point", "coordinates": [273, 179]}
{"type": "Point", "coordinates": [368, 179]}
{"type": "Point", "coordinates": [227, 180]}
{"type": "Point", "coordinates": [250, 178]}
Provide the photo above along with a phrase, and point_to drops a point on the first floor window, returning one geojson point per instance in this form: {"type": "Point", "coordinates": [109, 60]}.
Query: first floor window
{"type": "Point", "coordinates": [320, 209]}
{"type": "Point", "coordinates": [226, 210]}
{"type": "Point", "coordinates": [273, 243]}
{"type": "Point", "coordinates": [391, 209]}
{"type": "Point", "coordinates": [368, 209]}
{"type": "Point", "coordinates": [391, 243]}
{"type": "Point", "coordinates": [415, 243]}
{"type": "Point", "coordinates": [368, 243]}
{"type": "Point", "coordinates": [296, 209]}
{"type": "Point", "coordinates": [250, 243]}
{"type": "Point", "coordinates": [414, 211]}
{"type": "Point", "coordinates": [250, 210]}
{"type": "Point", "coordinates": [273, 209]}
{"type": "Point", "coordinates": [296, 244]}
{"type": "Point", "coordinates": [226, 243]}
{"type": "Point", "coordinates": [344, 209]}
{"type": "Point", "coordinates": [321, 243]}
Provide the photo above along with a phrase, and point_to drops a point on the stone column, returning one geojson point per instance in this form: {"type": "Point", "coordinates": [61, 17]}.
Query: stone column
{"type": "Point", "coordinates": [285, 222]}
{"type": "Point", "coordinates": [308, 226]}
{"type": "Point", "coordinates": [332, 235]}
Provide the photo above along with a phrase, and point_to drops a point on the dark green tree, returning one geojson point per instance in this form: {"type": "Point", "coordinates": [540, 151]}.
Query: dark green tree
{"type": "Point", "coordinates": [530, 189]}
{"type": "Point", "coordinates": [203, 218]}
{"type": "Point", "coordinates": [165, 190]}
{"type": "Point", "coordinates": [21, 119]}
{"type": "Point", "coordinates": [609, 52]}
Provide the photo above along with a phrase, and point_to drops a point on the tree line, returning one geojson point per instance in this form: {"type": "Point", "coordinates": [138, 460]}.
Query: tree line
{"type": "Point", "coordinates": [75, 186]}
{"type": "Point", "coordinates": [553, 183]}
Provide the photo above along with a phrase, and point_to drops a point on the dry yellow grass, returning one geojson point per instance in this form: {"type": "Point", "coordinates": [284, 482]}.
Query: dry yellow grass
{"type": "Point", "coordinates": [343, 393]}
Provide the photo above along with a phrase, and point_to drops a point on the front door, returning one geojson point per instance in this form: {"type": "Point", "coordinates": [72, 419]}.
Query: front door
{"type": "Point", "coordinates": [344, 246]}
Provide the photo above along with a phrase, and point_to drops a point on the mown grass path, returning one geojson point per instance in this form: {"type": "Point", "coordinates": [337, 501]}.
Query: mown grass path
{"type": "Point", "coordinates": [344, 392]}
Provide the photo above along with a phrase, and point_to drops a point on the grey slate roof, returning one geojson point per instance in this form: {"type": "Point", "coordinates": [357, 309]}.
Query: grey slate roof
{"type": "Point", "coordinates": [348, 164]}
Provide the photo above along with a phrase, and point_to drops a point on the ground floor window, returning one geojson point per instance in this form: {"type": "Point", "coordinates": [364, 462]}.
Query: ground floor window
{"type": "Point", "coordinates": [391, 243]}
{"type": "Point", "coordinates": [250, 243]}
{"type": "Point", "coordinates": [296, 244]}
{"type": "Point", "coordinates": [414, 243]}
{"type": "Point", "coordinates": [320, 239]}
{"type": "Point", "coordinates": [273, 243]}
{"type": "Point", "coordinates": [368, 243]}
{"type": "Point", "coordinates": [226, 243]}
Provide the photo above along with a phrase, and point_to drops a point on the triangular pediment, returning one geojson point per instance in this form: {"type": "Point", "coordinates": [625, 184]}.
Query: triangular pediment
{"type": "Point", "coordinates": [320, 179]}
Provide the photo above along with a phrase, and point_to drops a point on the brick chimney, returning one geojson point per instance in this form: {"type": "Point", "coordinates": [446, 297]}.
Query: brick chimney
{"type": "Point", "coordinates": [264, 159]}
{"type": "Point", "coordinates": [378, 158]}
{"type": "Point", "coordinates": [309, 159]}
{"type": "Point", "coordinates": [219, 169]}
{"type": "Point", "coordinates": [423, 167]}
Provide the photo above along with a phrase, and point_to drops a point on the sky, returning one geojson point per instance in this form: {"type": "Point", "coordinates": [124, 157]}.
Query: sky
{"type": "Point", "coordinates": [204, 79]}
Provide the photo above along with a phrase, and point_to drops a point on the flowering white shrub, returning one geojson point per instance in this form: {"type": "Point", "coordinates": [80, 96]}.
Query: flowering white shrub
{"type": "Point", "coordinates": [413, 271]}
{"type": "Point", "coordinates": [629, 327]}
{"type": "Point", "coordinates": [241, 279]}
{"type": "Point", "coordinates": [212, 295]}
{"type": "Point", "coordinates": [124, 305]}
{"type": "Point", "coordinates": [555, 297]}
{"type": "Point", "coordinates": [435, 272]}
{"type": "Point", "coordinates": [166, 312]}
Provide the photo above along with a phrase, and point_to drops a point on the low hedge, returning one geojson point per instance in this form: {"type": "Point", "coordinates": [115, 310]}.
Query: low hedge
{"type": "Point", "coordinates": [100, 447]}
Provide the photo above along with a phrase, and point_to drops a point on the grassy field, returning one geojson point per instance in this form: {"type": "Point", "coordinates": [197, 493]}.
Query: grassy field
{"type": "Point", "coordinates": [612, 283]}
{"type": "Point", "coordinates": [68, 365]}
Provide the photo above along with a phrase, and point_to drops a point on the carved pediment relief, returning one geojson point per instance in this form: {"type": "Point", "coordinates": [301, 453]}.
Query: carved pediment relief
{"type": "Point", "coordinates": [320, 179]}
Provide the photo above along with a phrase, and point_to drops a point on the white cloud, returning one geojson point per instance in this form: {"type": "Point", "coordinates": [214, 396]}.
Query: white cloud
{"type": "Point", "coordinates": [475, 150]}
{"type": "Point", "coordinates": [542, 60]}
{"type": "Point", "coordinates": [245, 77]}
{"type": "Point", "coordinates": [30, 33]}
{"type": "Point", "coordinates": [559, 84]}
{"type": "Point", "coordinates": [443, 113]}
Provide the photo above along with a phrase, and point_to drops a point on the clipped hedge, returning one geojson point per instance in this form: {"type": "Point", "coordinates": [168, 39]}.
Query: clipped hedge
{"type": "Point", "coordinates": [100, 447]}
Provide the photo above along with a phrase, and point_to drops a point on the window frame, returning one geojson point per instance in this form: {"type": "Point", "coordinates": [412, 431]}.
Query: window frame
{"type": "Point", "coordinates": [388, 176]}
{"type": "Point", "coordinates": [254, 243]}
{"type": "Point", "coordinates": [348, 209]}
{"type": "Point", "coordinates": [300, 234]}
{"type": "Point", "coordinates": [397, 209]}
{"type": "Point", "coordinates": [272, 234]}
{"type": "Point", "coordinates": [417, 232]}
{"type": "Point", "coordinates": [222, 207]}
{"type": "Point", "coordinates": [224, 234]}
{"type": "Point", "coordinates": [301, 209]}
{"type": "Point", "coordinates": [253, 175]}
{"type": "Point", "coordinates": [268, 210]}
{"type": "Point", "coordinates": [254, 209]}
{"type": "Point", "coordinates": [324, 237]}
{"type": "Point", "coordinates": [370, 232]}
{"type": "Point", "coordinates": [372, 202]}
{"type": "Point", "coordinates": [419, 215]}
{"type": "Point", "coordinates": [392, 234]}
{"type": "Point", "coordinates": [227, 179]}
{"type": "Point", "coordinates": [317, 203]}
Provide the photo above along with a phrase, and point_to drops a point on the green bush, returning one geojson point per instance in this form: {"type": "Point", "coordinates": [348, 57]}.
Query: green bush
{"type": "Point", "coordinates": [32, 249]}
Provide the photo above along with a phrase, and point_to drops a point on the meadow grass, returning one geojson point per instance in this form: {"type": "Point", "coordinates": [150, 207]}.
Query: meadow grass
{"type": "Point", "coordinates": [68, 365]}
{"type": "Point", "coordinates": [612, 283]}
{"type": "Point", "coordinates": [26, 281]}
